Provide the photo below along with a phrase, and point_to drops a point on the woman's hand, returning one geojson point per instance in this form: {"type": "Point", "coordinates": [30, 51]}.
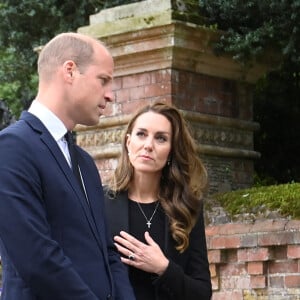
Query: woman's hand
{"type": "Point", "coordinates": [147, 257]}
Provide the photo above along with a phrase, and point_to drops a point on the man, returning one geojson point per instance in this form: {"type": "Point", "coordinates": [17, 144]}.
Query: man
{"type": "Point", "coordinates": [53, 238]}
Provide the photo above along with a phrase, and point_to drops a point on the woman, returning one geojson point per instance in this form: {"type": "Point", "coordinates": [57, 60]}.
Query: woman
{"type": "Point", "coordinates": [154, 207]}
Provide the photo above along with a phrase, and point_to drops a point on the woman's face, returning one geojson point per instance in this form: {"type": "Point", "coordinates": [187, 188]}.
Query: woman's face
{"type": "Point", "coordinates": [149, 143]}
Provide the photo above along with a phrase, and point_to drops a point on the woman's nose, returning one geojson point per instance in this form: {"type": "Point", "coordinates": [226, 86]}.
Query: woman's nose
{"type": "Point", "coordinates": [148, 146]}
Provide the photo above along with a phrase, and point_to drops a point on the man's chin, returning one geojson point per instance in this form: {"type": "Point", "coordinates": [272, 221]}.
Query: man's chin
{"type": "Point", "coordinates": [93, 122]}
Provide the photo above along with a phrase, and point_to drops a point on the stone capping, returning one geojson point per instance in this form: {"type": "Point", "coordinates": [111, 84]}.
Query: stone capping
{"type": "Point", "coordinates": [115, 125]}
{"type": "Point", "coordinates": [175, 44]}
{"type": "Point", "coordinates": [144, 36]}
{"type": "Point", "coordinates": [130, 10]}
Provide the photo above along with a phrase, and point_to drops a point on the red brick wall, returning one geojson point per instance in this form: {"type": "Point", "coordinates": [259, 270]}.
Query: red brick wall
{"type": "Point", "coordinates": [255, 261]}
{"type": "Point", "coordinates": [192, 92]}
{"type": "Point", "coordinates": [187, 90]}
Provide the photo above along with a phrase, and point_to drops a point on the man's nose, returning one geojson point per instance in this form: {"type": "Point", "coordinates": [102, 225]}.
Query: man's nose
{"type": "Point", "coordinates": [109, 96]}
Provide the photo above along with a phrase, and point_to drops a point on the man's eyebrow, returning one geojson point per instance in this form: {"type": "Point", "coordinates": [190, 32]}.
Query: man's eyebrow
{"type": "Point", "coordinates": [105, 76]}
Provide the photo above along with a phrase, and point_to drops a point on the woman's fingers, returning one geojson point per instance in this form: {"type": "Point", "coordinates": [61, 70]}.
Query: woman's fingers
{"type": "Point", "coordinates": [128, 241]}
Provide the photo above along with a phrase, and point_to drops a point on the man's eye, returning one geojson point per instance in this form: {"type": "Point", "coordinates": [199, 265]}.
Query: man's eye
{"type": "Point", "coordinates": [104, 80]}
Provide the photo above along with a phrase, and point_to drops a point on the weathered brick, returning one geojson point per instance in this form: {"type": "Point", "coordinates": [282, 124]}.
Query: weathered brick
{"type": "Point", "coordinates": [213, 270]}
{"type": "Point", "coordinates": [234, 228]}
{"type": "Point", "coordinates": [292, 281]}
{"type": "Point", "coordinates": [228, 295]}
{"type": "Point", "coordinates": [131, 106]}
{"type": "Point", "coordinates": [215, 256]}
{"type": "Point", "coordinates": [223, 242]}
{"type": "Point", "coordinates": [215, 282]}
{"type": "Point", "coordinates": [256, 268]}
{"type": "Point", "coordinates": [117, 84]}
{"type": "Point", "coordinates": [232, 269]}
{"type": "Point", "coordinates": [255, 254]}
{"type": "Point", "coordinates": [242, 281]}
{"type": "Point", "coordinates": [157, 89]}
{"type": "Point", "coordinates": [293, 225]}
{"type": "Point", "coordinates": [293, 251]}
{"type": "Point", "coordinates": [258, 281]}
{"type": "Point", "coordinates": [277, 281]}
{"type": "Point", "coordinates": [140, 79]}
{"type": "Point", "coordinates": [212, 230]}
{"type": "Point", "coordinates": [269, 226]}
{"type": "Point", "coordinates": [287, 267]}
{"type": "Point", "coordinates": [276, 238]}
{"type": "Point", "coordinates": [137, 93]}
{"type": "Point", "coordinates": [249, 240]}
{"type": "Point", "coordinates": [122, 95]}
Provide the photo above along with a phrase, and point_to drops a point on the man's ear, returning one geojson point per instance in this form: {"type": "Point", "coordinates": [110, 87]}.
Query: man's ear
{"type": "Point", "coordinates": [68, 70]}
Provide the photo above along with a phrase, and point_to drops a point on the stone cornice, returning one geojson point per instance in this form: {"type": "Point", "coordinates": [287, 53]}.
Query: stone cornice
{"type": "Point", "coordinates": [216, 135]}
{"type": "Point", "coordinates": [120, 120]}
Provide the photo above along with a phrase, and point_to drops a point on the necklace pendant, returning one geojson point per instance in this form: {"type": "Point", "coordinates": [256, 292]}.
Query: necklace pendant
{"type": "Point", "coordinates": [148, 223]}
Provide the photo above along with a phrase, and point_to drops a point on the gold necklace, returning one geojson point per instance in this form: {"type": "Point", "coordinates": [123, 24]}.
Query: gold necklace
{"type": "Point", "coordinates": [148, 223]}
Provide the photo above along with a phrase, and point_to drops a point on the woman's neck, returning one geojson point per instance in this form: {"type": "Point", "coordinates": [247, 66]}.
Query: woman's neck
{"type": "Point", "coordinates": [144, 190]}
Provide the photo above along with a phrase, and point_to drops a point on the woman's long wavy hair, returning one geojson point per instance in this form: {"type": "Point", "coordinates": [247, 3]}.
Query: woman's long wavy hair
{"type": "Point", "coordinates": [183, 179]}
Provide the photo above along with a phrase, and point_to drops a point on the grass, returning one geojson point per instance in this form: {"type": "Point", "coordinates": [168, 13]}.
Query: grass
{"type": "Point", "coordinates": [284, 198]}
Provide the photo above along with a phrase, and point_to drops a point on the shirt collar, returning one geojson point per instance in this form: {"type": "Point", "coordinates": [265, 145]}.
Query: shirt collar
{"type": "Point", "coordinates": [54, 125]}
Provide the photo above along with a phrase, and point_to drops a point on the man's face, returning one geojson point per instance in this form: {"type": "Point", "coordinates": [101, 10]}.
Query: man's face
{"type": "Point", "coordinates": [92, 89]}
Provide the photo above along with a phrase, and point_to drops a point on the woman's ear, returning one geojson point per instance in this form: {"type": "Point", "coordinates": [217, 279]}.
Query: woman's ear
{"type": "Point", "coordinates": [127, 143]}
{"type": "Point", "coordinates": [127, 140]}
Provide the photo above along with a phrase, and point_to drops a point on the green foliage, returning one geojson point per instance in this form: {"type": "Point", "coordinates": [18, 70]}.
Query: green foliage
{"type": "Point", "coordinates": [265, 30]}
{"type": "Point", "coordinates": [252, 27]}
{"type": "Point", "coordinates": [284, 198]}
{"type": "Point", "coordinates": [28, 24]}
{"type": "Point", "coordinates": [25, 25]}
{"type": "Point", "coordinates": [277, 109]}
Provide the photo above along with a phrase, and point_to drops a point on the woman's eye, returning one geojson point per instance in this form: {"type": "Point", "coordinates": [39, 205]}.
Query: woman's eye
{"type": "Point", "coordinates": [140, 133]}
{"type": "Point", "coordinates": [161, 139]}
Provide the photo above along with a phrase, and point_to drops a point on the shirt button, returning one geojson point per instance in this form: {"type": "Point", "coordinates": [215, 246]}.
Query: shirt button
{"type": "Point", "coordinates": [108, 297]}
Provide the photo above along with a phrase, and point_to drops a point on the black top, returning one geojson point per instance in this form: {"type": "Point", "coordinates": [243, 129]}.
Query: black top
{"type": "Point", "coordinates": [142, 282]}
{"type": "Point", "coordinates": [187, 276]}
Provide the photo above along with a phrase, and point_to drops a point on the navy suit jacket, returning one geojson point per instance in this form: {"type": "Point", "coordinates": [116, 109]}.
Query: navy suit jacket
{"type": "Point", "coordinates": [187, 276]}
{"type": "Point", "coordinates": [53, 246]}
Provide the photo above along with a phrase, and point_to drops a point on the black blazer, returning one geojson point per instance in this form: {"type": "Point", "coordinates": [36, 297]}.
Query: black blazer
{"type": "Point", "coordinates": [187, 276]}
{"type": "Point", "coordinates": [52, 245]}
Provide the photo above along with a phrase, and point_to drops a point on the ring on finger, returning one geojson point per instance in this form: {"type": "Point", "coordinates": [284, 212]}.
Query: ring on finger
{"type": "Point", "coordinates": [131, 256]}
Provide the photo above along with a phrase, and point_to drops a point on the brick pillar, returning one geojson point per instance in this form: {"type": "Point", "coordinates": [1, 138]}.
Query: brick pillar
{"type": "Point", "coordinates": [160, 57]}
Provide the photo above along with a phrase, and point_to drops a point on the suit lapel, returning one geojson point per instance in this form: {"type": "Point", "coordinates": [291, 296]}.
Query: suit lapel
{"type": "Point", "coordinates": [58, 156]}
